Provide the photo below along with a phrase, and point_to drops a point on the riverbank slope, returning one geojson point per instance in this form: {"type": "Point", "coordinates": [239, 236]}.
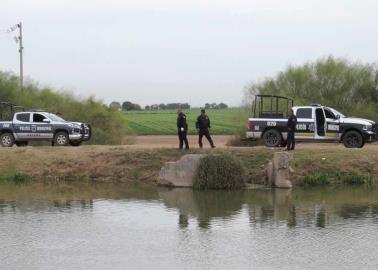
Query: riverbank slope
{"type": "Point", "coordinates": [123, 163]}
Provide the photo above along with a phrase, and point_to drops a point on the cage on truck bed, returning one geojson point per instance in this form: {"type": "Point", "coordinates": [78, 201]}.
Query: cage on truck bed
{"type": "Point", "coordinates": [8, 109]}
{"type": "Point", "coordinates": [270, 106]}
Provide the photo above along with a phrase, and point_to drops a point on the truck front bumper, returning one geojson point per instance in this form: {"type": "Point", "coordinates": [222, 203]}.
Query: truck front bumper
{"type": "Point", "coordinates": [369, 136]}
{"type": "Point", "coordinates": [84, 135]}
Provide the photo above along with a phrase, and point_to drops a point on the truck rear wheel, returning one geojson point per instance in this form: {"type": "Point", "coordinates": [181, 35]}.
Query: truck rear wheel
{"type": "Point", "coordinates": [61, 139]}
{"type": "Point", "coordinates": [272, 138]}
{"type": "Point", "coordinates": [7, 140]}
{"type": "Point", "coordinates": [353, 139]}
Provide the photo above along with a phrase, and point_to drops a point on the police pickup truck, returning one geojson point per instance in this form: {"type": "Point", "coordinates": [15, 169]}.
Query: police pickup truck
{"type": "Point", "coordinates": [315, 123]}
{"type": "Point", "coordinates": [42, 126]}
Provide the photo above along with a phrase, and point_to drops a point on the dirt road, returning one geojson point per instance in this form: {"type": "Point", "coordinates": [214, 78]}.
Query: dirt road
{"type": "Point", "coordinates": [150, 142]}
{"type": "Point", "coordinates": [172, 141]}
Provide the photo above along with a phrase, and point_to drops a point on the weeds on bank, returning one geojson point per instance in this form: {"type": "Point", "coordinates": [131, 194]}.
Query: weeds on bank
{"type": "Point", "coordinates": [16, 178]}
{"type": "Point", "coordinates": [352, 178]}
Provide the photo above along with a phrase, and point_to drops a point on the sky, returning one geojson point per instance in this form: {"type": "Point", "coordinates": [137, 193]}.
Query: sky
{"type": "Point", "coordinates": [197, 51]}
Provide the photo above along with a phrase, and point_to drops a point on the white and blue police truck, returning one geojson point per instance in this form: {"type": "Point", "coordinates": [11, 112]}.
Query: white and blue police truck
{"type": "Point", "coordinates": [315, 123]}
{"type": "Point", "coordinates": [36, 125]}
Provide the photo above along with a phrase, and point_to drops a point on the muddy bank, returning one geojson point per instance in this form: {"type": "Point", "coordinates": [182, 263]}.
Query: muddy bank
{"type": "Point", "coordinates": [123, 164]}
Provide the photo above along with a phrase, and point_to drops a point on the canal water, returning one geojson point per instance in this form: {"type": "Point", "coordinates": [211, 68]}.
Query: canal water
{"type": "Point", "coordinates": [102, 226]}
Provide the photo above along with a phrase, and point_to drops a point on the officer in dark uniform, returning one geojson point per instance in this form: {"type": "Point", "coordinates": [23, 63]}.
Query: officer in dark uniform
{"type": "Point", "coordinates": [203, 126]}
{"type": "Point", "coordinates": [291, 128]}
{"type": "Point", "coordinates": [182, 129]}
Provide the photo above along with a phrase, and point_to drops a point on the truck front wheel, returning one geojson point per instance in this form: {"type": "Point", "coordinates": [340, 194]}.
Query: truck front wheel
{"type": "Point", "coordinates": [7, 140]}
{"type": "Point", "coordinates": [353, 139]}
{"type": "Point", "coordinates": [61, 139]}
{"type": "Point", "coordinates": [272, 138]}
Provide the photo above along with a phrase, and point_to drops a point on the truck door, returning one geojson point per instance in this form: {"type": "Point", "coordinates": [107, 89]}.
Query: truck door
{"type": "Point", "coordinates": [21, 125]}
{"type": "Point", "coordinates": [305, 123]}
{"type": "Point", "coordinates": [41, 127]}
{"type": "Point", "coordinates": [332, 125]}
{"type": "Point", "coordinates": [320, 124]}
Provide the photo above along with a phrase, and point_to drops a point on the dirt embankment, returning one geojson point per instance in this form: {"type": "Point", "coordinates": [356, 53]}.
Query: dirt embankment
{"type": "Point", "coordinates": [125, 163]}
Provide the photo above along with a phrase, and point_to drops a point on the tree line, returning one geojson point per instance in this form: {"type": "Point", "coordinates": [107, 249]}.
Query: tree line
{"type": "Point", "coordinates": [130, 106]}
{"type": "Point", "coordinates": [350, 87]}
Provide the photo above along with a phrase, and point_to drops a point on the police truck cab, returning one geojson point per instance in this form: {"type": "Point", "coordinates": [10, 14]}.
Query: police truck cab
{"type": "Point", "coordinates": [315, 123]}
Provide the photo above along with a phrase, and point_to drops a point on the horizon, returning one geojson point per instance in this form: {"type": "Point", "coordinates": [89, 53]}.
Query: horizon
{"type": "Point", "coordinates": [163, 51]}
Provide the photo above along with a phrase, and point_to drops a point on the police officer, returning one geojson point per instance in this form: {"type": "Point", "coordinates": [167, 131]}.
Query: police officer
{"type": "Point", "coordinates": [203, 126]}
{"type": "Point", "coordinates": [182, 129]}
{"type": "Point", "coordinates": [291, 128]}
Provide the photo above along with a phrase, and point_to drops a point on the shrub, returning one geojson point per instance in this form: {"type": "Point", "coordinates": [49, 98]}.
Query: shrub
{"type": "Point", "coordinates": [219, 172]}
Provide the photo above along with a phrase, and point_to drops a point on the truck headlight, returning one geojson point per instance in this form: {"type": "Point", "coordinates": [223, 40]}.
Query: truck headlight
{"type": "Point", "coordinates": [366, 127]}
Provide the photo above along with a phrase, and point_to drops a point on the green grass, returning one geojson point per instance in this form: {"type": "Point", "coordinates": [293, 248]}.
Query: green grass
{"type": "Point", "coordinates": [332, 178]}
{"type": "Point", "coordinates": [223, 122]}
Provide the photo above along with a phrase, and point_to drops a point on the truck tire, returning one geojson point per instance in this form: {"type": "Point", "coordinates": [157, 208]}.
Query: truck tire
{"type": "Point", "coordinates": [61, 139]}
{"type": "Point", "coordinates": [272, 138]}
{"type": "Point", "coordinates": [75, 143]}
{"type": "Point", "coordinates": [353, 139]}
{"type": "Point", "coordinates": [21, 144]}
{"type": "Point", "coordinates": [7, 140]}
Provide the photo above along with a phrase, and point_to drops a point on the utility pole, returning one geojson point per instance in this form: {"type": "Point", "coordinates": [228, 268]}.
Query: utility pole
{"type": "Point", "coordinates": [21, 57]}
{"type": "Point", "coordinates": [20, 50]}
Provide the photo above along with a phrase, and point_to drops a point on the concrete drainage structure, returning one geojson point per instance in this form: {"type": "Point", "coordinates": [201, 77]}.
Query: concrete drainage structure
{"type": "Point", "coordinates": [182, 172]}
{"type": "Point", "coordinates": [278, 171]}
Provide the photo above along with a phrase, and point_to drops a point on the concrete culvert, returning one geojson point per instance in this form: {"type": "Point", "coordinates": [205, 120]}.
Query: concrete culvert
{"type": "Point", "coordinates": [219, 172]}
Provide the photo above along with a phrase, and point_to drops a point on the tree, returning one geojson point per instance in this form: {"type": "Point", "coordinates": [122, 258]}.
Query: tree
{"type": "Point", "coordinates": [222, 106]}
{"type": "Point", "coordinates": [129, 106]}
{"type": "Point", "coordinates": [348, 87]}
{"type": "Point", "coordinates": [147, 108]}
{"type": "Point", "coordinates": [207, 106]}
{"type": "Point", "coordinates": [115, 105]}
{"type": "Point", "coordinates": [162, 106]}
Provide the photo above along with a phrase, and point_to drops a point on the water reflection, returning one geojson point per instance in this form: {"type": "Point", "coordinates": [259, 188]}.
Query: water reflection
{"type": "Point", "coordinates": [298, 208]}
{"type": "Point", "coordinates": [304, 208]}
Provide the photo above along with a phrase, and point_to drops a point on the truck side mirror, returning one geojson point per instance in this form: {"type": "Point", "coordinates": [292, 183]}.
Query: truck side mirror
{"type": "Point", "coordinates": [337, 116]}
{"type": "Point", "coordinates": [46, 120]}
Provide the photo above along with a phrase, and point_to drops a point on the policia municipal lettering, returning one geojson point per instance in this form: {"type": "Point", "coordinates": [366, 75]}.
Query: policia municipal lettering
{"type": "Point", "coordinates": [182, 129]}
{"type": "Point", "coordinates": [203, 126]}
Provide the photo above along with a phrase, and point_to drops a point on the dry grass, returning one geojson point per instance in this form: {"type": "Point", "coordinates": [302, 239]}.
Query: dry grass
{"type": "Point", "coordinates": [122, 163]}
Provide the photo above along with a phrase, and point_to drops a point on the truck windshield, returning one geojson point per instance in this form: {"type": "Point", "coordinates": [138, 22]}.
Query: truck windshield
{"type": "Point", "coordinates": [55, 118]}
{"type": "Point", "coordinates": [337, 113]}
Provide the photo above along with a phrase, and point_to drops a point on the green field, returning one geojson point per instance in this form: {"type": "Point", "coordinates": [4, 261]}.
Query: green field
{"type": "Point", "coordinates": [223, 122]}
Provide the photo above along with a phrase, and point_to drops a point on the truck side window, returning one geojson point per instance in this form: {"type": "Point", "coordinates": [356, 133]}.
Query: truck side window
{"type": "Point", "coordinates": [23, 117]}
{"type": "Point", "coordinates": [38, 118]}
{"type": "Point", "coordinates": [304, 113]}
{"type": "Point", "coordinates": [329, 114]}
